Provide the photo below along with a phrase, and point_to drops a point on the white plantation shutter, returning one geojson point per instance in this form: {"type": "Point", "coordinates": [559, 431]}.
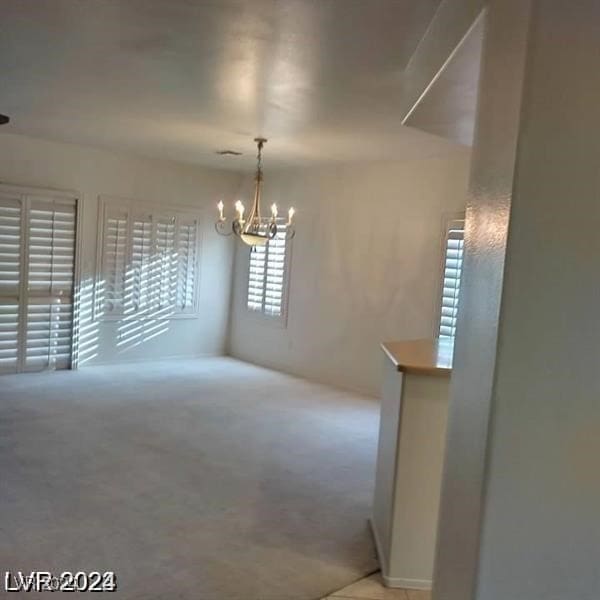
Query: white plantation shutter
{"type": "Point", "coordinates": [453, 261]}
{"type": "Point", "coordinates": [139, 276]}
{"type": "Point", "coordinates": [273, 298]}
{"type": "Point", "coordinates": [149, 261]}
{"type": "Point", "coordinates": [9, 335]}
{"type": "Point", "coordinates": [165, 266]}
{"type": "Point", "coordinates": [266, 276]}
{"type": "Point", "coordinates": [256, 278]}
{"type": "Point", "coordinates": [10, 280]}
{"type": "Point", "coordinates": [114, 258]}
{"type": "Point", "coordinates": [186, 263]}
{"type": "Point", "coordinates": [50, 282]}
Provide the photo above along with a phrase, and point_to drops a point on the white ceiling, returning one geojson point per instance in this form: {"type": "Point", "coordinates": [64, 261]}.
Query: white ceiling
{"type": "Point", "coordinates": [180, 79]}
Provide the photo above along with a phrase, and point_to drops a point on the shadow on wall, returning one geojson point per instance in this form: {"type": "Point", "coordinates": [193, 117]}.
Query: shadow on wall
{"type": "Point", "coordinates": [86, 334]}
{"type": "Point", "coordinates": [142, 300]}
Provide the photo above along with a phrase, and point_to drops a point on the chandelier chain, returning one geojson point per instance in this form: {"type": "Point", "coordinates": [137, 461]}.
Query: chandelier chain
{"type": "Point", "coordinates": [260, 144]}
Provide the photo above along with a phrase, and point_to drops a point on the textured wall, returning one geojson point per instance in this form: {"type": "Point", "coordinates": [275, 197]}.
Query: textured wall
{"type": "Point", "coordinates": [541, 531]}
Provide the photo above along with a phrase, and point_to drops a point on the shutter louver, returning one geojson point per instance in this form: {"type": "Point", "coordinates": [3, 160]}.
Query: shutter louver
{"type": "Point", "coordinates": [165, 266]}
{"type": "Point", "coordinates": [10, 280]}
{"type": "Point", "coordinates": [266, 276]}
{"type": "Point", "coordinates": [139, 277]}
{"type": "Point", "coordinates": [186, 267]}
{"type": "Point", "coordinates": [256, 277]}
{"type": "Point", "coordinates": [114, 259]}
{"type": "Point", "coordinates": [10, 246]}
{"type": "Point", "coordinates": [50, 275]}
{"type": "Point", "coordinates": [9, 335]}
{"type": "Point", "coordinates": [49, 334]}
{"type": "Point", "coordinates": [453, 262]}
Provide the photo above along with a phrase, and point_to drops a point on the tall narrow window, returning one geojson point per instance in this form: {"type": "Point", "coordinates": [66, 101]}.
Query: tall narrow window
{"type": "Point", "coordinates": [149, 261]}
{"type": "Point", "coordinates": [267, 277]}
{"type": "Point", "coordinates": [50, 272]}
{"type": "Point", "coordinates": [453, 261]}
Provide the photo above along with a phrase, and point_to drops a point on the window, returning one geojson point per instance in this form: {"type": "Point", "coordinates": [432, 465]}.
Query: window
{"type": "Point", "coordinates": [37, 269]}
{"type": "Point", "coordinates": [267, 276]}
{"type": "Point", "coordinates": [149, 261]}
{"type": "Point", "coordinates": [453, 260]}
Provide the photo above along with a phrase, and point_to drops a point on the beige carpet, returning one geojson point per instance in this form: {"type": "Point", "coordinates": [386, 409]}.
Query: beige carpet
{"type": "Point", "coordinates": [199, 479]}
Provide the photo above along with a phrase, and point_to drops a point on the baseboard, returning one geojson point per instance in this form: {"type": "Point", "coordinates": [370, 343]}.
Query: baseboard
{"type": "Point", "coordinates": [138, 359]}
{"type": "Point", "coordinates": [311, 378]}
{"type": "Point", "coordinates": [395, 582]}
{"type": "Point", "coordinates": [407, 584]}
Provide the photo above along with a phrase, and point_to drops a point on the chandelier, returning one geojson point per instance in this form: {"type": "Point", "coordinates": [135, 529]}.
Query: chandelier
{"type": "Point", "coordinates": [256, 230]}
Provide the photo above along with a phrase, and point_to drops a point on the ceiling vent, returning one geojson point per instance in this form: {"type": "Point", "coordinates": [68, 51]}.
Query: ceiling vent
{"type": "Point", "coordinates": [228, 153]}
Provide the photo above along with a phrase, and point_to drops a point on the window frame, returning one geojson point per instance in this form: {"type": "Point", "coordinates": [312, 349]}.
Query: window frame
{"type": "Point", "coordinates": [132, 207]}
{"type": "Point", "coordinates": [281, 320]}
{"type": "Point", "coordinates": [447, 220]}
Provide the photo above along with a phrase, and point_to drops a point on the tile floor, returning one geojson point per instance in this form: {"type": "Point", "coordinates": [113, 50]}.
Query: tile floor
{"type": "Point", "coordinates": [372, 588]}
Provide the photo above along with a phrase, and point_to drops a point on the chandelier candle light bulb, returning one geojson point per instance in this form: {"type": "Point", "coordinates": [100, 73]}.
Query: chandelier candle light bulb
{"type": "Point", "coordinates": [256, 230]}
{"type": "Point", "coordinates": [240, 210]}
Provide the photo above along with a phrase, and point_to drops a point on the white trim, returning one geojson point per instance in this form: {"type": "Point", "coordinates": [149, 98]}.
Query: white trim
{"type": "Point", "coordinates": [77, 284]}
{"type": "Point", "coordinates": [25, 195]}
{"type": "Point", "coordinates": [395, 582]}
{"type": "Point", "coordinates": [407, 584]}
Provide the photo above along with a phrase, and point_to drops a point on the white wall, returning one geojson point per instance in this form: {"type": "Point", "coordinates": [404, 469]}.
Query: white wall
{"type": "Point", "coordinates": [541, 531]}
{"type": "Point", "coordinates": [488, 212]}
{"type": "Point", "coordinates": [92, 172]}
{"type": "Point", "coordinates": [366, 266]}
{"type": "Point", "coordinates": [540, 490]}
